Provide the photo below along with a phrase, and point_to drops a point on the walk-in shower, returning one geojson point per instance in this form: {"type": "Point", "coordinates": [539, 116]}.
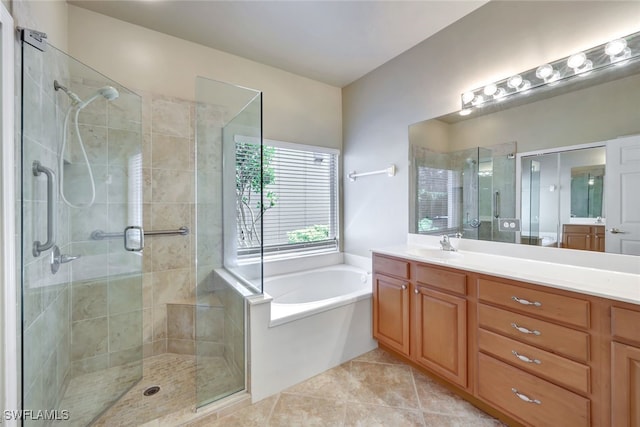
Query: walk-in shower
{"type": "Point", "coordinates": [116, 328]}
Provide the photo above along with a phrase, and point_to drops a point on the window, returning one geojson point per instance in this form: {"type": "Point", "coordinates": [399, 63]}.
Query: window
{"type": "Point", "coordinates": [299, 206]}
{"type": "Point", "coordinates": [439, 200]}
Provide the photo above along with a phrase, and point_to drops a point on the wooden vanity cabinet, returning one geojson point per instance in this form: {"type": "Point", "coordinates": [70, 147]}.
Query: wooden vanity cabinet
{"type": "Point", "coordinates": [625, 366]}
{"type": "Point", "coordinates": [421, 312]}
{"type": "Point", "coordinates": [583, 237]}
{"type": "Point", "coordinates": [533, 355]}
{"type": "Point", "coordinates": [440, 323]}
{"type": "Point", "coordinates": [391, 303]}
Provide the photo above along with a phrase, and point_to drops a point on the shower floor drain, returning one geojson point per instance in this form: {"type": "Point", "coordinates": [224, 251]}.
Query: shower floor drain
{"type": "Point", "coordinates": [151, 390]}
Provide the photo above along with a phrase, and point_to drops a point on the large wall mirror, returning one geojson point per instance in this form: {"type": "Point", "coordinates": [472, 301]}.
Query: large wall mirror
{"type": "Point", "coordinates": [561, 169]}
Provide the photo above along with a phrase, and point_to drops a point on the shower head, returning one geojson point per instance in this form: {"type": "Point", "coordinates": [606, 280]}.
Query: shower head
{"type": "Point", "coordinates": [108, 92]}
{"type": "Point", "coordinates": [470, 161]}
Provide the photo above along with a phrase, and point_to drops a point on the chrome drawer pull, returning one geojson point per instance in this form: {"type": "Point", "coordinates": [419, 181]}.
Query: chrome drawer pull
{"type": "Point", "coordinates": [525, 358]}
{"type": "Point", "coordinates": [525, 397]}
{"type": "Point", "coordinates": [525, 330]}
{"type": "Point", "coordinates": [404, 287]}
{"type": "Point", "coordinates": [525, 302]}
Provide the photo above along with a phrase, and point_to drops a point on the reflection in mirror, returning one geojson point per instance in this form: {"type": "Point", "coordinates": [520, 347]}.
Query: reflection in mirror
{"type": "Point", "coordinates": [590, 114]}
{"type": "Point", "coordinates": [464, 191]}
{"type": "Point", "coordinates": [557, 185]}
{"type": "Point", "coordinates": [587, 186]}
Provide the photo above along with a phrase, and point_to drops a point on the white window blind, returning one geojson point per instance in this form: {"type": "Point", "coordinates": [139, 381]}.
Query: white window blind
{"type": "Point", "coordinates": [300, 198]}
{"type": "Point", "coordinates": [439, 200]}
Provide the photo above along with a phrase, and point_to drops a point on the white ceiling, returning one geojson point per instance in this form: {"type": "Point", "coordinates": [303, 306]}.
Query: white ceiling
{"type": "Point", "coordinates": [335, 42]}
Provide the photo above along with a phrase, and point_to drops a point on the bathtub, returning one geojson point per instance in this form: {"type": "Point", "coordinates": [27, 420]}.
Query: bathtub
{"type": "Point", "coordinates": [306, 293]}
{"type": "Point", "coordinates": [307, 322]}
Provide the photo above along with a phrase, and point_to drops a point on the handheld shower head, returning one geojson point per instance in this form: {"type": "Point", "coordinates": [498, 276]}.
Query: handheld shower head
{"type": "Point", "coordinates": [108, 92]}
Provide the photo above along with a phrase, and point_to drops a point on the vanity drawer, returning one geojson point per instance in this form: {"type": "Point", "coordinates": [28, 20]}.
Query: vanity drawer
{"type": "Point", "coordinates": [538, 402]}
{"type": "Point", "coordinates": [625, 324]}
{"type": "Point", "coordinates": [539, 362]}
{"type": "Point", "coordinates": [555, 338]}
{"type": "Point", "coordinates": [555, 307]}
{"type": "Point", "coordinates": [390, 266]}
{"type": "Point", "coordinates": [442, 279]}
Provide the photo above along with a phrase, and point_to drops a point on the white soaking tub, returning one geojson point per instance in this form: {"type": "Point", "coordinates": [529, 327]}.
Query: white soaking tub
{"type": "Point", "coordinates": [305, 293]}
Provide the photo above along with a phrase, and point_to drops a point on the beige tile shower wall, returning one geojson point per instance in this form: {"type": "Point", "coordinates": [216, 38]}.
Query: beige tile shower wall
{"type": "Point", "coordinates": [169, 285]}
{"type": "Point", "coordinates": [106, 313]}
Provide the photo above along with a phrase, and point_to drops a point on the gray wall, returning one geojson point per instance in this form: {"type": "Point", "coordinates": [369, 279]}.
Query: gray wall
{"type": "Point", "coordinates": [495, 41]}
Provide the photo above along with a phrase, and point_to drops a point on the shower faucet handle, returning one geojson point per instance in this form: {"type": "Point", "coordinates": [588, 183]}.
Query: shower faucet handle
{"type": "Point", "coordinates": [57, 259]}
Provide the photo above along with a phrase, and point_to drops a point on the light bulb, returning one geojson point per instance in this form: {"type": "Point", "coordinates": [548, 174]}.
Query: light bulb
{"type": "Point", "coordinates": [514, 82]}
{"type": "Point", "coordinates": [577, 60]}
{"type": "Point", "coordinates": [615, 47]}
{"type": "Point", "coordinates": [490, 89]}
{"type": "Point", "coordinates": [501, 93]}
{"type": "Point", "coordinates": [465, 112]}
{"type": "Point", "coordinates": [586, 67]}
{"type": "Point", "coordinates": [544, 71]}
{"type": "Point", "coordinates": [467, 97]}
{"type": "Point", "coordinates": [478, 100]}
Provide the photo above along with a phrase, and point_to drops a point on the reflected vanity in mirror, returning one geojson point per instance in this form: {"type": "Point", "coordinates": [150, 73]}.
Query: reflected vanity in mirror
{"type": "Point", "coordinates": [560, 170]}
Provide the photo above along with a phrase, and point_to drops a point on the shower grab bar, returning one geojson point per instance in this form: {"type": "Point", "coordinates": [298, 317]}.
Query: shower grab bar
{"type": "Point", "coordinates": [38, 247]}
{"type": "Point", "coordinates": [100, 235]}
{"type": "Point", "coordinates": [496, 205]}
{"type": "Point", "coordinates": [390, 171]}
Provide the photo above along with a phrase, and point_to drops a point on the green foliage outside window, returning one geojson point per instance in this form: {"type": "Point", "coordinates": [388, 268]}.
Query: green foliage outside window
{"type": "Point", "coordinates": [311, 234]}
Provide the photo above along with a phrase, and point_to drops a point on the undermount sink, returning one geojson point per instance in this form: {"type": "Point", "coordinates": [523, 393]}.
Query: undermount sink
{"type": "Point", "coordinates": [435, 253]}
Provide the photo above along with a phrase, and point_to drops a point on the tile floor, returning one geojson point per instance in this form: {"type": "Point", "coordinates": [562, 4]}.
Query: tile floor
{"type": "Point", "coordinates": [374, 389]}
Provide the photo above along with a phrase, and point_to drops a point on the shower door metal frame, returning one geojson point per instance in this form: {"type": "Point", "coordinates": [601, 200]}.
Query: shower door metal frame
{"type": "Point", "coordinates": [8, 293]}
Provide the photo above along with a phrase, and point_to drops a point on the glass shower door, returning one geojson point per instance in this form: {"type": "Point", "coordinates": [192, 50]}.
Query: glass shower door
{"type": "Point", "coordinates": [227, 116]}
{"type": "Point", "coordinates": [81, 278]}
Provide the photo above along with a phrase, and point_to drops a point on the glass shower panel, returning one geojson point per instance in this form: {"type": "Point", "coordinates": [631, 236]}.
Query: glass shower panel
{"type": "Point", "coordinates": [487, 198]}
{"type": "Point", "coordinates": [467, 162]}
{"type": "Point", "coordinates": [226, 116]}
{"type": "Point", "coordinates": [81, 296]}
{"type": "Point", "coordinates": [530, 195]}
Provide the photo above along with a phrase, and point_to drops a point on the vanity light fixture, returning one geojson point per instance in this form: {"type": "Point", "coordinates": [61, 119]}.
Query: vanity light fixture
{"type": "Point", "coordinates": [620, 51]}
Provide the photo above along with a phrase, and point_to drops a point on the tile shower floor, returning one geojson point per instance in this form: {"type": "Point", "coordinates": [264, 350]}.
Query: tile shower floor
{"type": "Point", "coordinates": [374, 389]}
{"type": "Point", "coordinates": [174, 373]}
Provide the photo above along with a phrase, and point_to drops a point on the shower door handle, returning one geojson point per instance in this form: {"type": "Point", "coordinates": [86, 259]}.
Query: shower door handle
{"type": "Point", "coordinates": [38, 247]}
{"type": "Point", "coordinates": [496, 205]}
{"type": "Point", "coordinates": [136, 234]}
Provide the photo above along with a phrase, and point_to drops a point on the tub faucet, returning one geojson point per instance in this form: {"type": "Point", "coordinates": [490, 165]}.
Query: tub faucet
{"type": "Point", "coordinates": [445, 243]}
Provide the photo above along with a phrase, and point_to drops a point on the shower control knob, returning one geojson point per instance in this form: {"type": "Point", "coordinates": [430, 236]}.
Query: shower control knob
{"type": "Point", "coordinates": [57, 259]}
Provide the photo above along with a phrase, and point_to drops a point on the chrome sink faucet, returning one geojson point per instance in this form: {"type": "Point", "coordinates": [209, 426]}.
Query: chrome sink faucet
{"type": "Point", "coordinates": [445, 242]}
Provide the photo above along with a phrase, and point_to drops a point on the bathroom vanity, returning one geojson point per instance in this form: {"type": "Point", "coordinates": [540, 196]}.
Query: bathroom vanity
{"type": "Point", "coordinates": [534, 343]}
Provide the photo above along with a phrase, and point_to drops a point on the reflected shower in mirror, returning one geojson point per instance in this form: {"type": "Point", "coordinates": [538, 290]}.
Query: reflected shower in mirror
{"type": "Point", "coordinates": [560, 189]}
{"type": "Point", "coordinates": [456, 191]}
{"type": "Point", "coordinates": [587, 190]}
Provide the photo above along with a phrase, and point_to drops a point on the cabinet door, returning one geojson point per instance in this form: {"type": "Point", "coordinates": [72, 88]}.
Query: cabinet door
{"type": "Point", "coordinates": [391, 312]}
{"type": "Point", "coordinates": [577, 241]}
{"type": "Point", "coordinates": [598, 239]}
{"type": "Point", "coordinates": [625, 385]}
{"type": "Point", "coordinates": [441, 333]}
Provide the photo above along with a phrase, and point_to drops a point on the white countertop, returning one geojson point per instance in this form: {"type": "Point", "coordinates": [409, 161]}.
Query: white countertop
{"type": "Point", "coordinates": [591, 281]}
